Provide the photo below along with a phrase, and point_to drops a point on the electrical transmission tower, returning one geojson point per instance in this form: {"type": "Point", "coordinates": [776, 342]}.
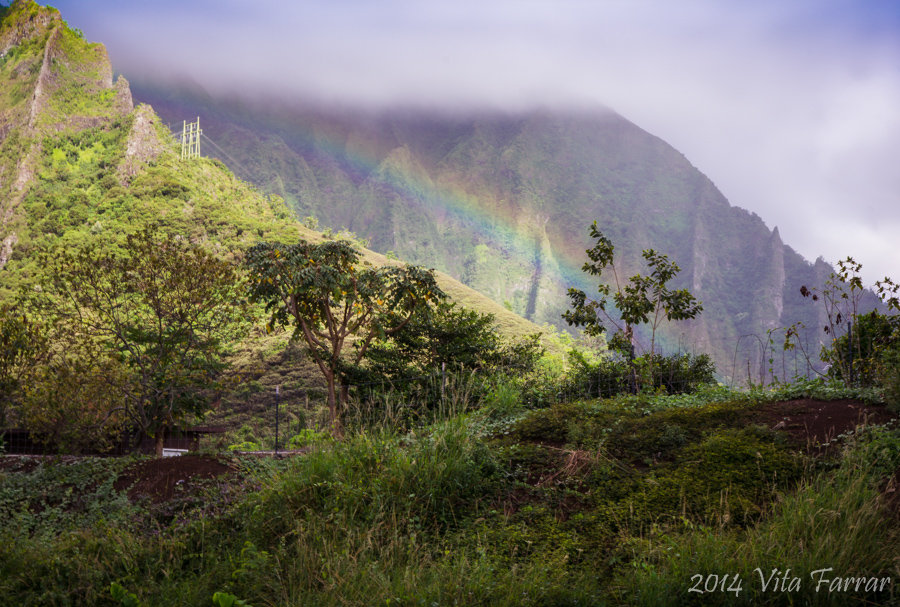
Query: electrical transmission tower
{"type": "Point", "coordinates": [190, 139]}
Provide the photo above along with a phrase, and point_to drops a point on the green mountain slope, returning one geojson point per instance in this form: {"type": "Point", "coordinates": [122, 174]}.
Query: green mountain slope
{"type": "Point", "coordinates": [79, 162]}
{"type": "Point", "coordinates": [502, 202]}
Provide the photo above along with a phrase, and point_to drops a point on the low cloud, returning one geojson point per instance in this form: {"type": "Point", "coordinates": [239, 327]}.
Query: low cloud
{"type": "Point", "coordinates": [790, 108]}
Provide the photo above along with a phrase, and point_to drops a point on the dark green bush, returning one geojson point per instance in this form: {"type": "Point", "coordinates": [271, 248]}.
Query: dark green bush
{"type": "Point", "coordinates": [612, 375]}
{"type": "Point", "coordinates": [414, 364]}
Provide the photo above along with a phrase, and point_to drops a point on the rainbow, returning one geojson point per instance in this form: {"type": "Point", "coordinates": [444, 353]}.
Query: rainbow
{"type": "Point", "coordinates": [454, 198]}
{"type": "Point", "coordinates": [486, 218]}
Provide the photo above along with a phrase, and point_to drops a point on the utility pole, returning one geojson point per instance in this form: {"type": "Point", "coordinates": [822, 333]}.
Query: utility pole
{"type": "Point", "coordinates": [190, 139]}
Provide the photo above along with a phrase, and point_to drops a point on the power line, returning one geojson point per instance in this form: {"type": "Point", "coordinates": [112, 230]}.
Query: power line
{"type": "Point", "coordinates": [226, 154]}
{"type": "Point", "coordinates": [190, 136]}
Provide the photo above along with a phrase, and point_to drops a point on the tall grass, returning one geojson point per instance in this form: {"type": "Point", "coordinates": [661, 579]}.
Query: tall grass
{"type": "Point", "coordinates": [836, 520]}
{"type": "Point", "coordinates": [371, 510]}
{"type": "Point", "coordinates": [419, 517]}
{"type": "Point", "coordinates": [440, 398]}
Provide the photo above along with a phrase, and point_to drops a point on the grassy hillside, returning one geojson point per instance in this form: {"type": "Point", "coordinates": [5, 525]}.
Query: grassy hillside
{"type": "Point", "coordinates": [79, 164]}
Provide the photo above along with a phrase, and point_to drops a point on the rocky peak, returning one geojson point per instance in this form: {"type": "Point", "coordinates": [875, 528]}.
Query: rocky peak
{"type": "Point", "coordinates": [144, 144]}
{"type": "Point", "coordinates": [51, 80]}
{"type": "Point", "coordinates": [25, 20]}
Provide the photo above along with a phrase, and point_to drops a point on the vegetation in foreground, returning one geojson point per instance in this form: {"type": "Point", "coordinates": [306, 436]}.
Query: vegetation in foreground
{"type": "Point", "coordinates": [603, 501]}
{"type": "Point", "coordinates": [656, 488]}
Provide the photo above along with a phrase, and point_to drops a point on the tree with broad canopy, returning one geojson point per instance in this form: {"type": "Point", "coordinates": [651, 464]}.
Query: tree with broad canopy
{"type": "Point", "coordinates": [329, 296]}
{"type": "Point", "coordinates": [161, 309]}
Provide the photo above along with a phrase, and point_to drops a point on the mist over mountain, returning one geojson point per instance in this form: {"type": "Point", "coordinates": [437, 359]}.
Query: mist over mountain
{"type": "Point", "coordinates": [503, 201]}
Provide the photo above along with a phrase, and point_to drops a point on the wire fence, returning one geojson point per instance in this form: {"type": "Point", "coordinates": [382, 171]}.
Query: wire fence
{"type": "Point", "coordinates": [21, 441]}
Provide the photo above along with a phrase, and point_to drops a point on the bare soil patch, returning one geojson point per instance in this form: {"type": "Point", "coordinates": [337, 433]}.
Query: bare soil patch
{"type": "Point", "coordinates": [160, 479]}
{"type": "Point", "coordinates": [18, 463]}
{"type": "Point", "coordinates": [814, 423]}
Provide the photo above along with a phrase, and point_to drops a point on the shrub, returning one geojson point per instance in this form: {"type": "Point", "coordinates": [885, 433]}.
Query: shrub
{"type": "Point", "coordinates": [889, 377]}
{"type": "Point", "coordinates": [309, 437]}
{"type": "Point", "coordinates": [611, 375]}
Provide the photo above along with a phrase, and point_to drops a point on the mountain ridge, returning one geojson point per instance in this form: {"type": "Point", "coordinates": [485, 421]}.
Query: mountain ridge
{"type": "Point", "coordinates": [502, 202]}
{"type": "Point", "coordinates": [84, 171]}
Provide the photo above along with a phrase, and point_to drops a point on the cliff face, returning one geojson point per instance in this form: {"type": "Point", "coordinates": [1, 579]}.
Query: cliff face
{"type": "Point", "coordinates": [54, 82]}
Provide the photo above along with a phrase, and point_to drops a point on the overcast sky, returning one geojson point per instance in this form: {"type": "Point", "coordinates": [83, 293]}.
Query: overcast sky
{"type": "Point", "coordinates": [791, 107]}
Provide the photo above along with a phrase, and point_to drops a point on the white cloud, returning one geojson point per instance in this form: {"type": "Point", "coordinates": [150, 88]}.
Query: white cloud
{"type": "Point", "coordinates": [791, 108]}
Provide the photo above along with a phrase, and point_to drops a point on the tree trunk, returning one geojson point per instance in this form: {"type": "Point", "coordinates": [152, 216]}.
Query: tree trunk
{"type": "Point", "coordinates": [160, 441]}
{"type": "Point", "coordinates": [345, 397]}
{"type": "Point", "coordinates": [629, 335]}
{"type": "Point", "coordinates": [337, 429]}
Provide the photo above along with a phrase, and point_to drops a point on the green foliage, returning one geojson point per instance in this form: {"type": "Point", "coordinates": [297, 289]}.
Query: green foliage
{"type": "Point", "coordinates": [818, 388]}
{"type": "Point", "coordinates": [249, 567]}
{"type": "Point", "coordinates": [224, 599]}
{"type": "Point", "coordinates": [725, 478]}
{"type": "Point", "coordinates": [609, 376]}
{"type": "Point", "coordinates": [451, 339]}
{"type": "Point", "coordinates": [328, 296]}
{"type": "Point", "coordinates": [834, 519]}
{"type": "Point", "coordinates": [56, 497]}
{"type": "Point", "coordinates": [309, 437]}
{"type": "Point", "coordinates": [160, 313]}
{"type": "Point", "coordinates": [21, 346]}
{"type": "Point", "coordinates": [551, 425]}
{"type": "Point", "coordinates": [867, 353]}
{"type": "Point", "coordinates": [621, 508]}
{"type": "Point", "coordinates": [78, 195]}
{"type": "Point", "coordinates": [636, 301]}
{"type": "Point", "coordinates": [68, 402]}
{"type": "Point", "coordinates": [841, 298]}
{"type": "Point", "coordinates": [562, 500]}
{"type": "Point", "coordinates": [124, 598]}
{"type": "Point", "coordinates": [449, 335]}
{"type": "Point", "coordinates": [889, 377]}
{"type": "Point", "coordinates": [424, 482]}
{"type": "Point", "coordinates": [245, 446]}
{"type": "Point", "coordinates": [679, 373]}
{"type": "Point", "coordinates": [503, 399]}
{"type": "Point", "coordinates": [874, 336]}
